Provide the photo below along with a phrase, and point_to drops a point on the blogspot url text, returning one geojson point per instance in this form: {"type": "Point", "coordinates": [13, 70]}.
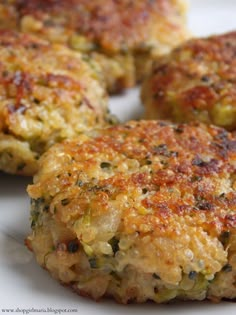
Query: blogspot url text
{"type": "Point", "coordinates": [33, 310]}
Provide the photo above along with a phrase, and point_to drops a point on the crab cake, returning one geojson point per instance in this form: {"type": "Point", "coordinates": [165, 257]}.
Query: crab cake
{"type": "Point", "coordinates": [145, 210]}
{"type": "Point", "coordinates": [195, 82]}
{"type": "Point", "coordinates": [123, 36]}
{"type": "Point", "coordinates": [48, 93]}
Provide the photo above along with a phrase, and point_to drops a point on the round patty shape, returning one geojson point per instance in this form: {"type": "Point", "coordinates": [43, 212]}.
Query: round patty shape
{"type": "Point", "coordinates": [123, 36]}
{"type": "Point", "coordinates": [145, 210]}
{"type": "Point", "coordinates": [195, 82]}
{"type": "Point", "coordinates": [48, 93]}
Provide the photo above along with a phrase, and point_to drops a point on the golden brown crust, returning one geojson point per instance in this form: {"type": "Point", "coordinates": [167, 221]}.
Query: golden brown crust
{"type": "Point", "coordinates": [192, 159]}
{"type": "Point", "coordinates": [113, 25]}
{"type": "Point", "coordinates": [117, 33]}
{"type": "Point", "coordinates": [48, 93]}
{"type": "Point", "coordinates": [146, 201]}
{"type": "Point", "coordinates": [195, 82]}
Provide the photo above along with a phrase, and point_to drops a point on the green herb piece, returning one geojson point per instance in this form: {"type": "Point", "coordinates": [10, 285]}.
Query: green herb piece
{"type": "Point", "coordinates": [21, 166]}
{"type": "Point", "coordinates": [36, 101]}
{"type": "Point", "coordinates": [79, 183]}
{"type": "Point", "coordinates": [222, 196]}
{"type": "Point", "coordinates": [155, 276]}
{"type": "Point", "coordinates": [227, 268]}
{"type": "Point", "coordinates": [204, 205]}
{"type": "Point", "coordinates": [34, 218]}
{"type": "Point", "coordinates": [224, 237]}
{"type": "Point", "coordinates": [46, 208]}
{"type": "Point", "coordinates": [192, 275]}
{"type": "Point", "coordinates": [115, 275]}
{"type": "Point", "coordinates": [37, 204]}
{"type": "Point", "coordinates": [144, 190]}
{"type": "Point", "coordinates": [179, 129]}
{"type": "Point", "coordinates": [73, 246]}
{"type": "Point", "coordinates": [114, 242]}
{"type": "Point", "coordinates": [196, 178]}
{"type": "Point", "coordinates": [93, 263]}
{"type": "Point", "coordinates": [65, 202]}
{"type": "Point", "coordinates": [105, 165]}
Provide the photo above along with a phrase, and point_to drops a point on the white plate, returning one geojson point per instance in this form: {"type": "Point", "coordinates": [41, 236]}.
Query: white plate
{"type": "Point", "coordinates": [23, 284]}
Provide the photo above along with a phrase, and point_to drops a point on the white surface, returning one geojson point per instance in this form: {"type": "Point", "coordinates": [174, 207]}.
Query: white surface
{"type": "Point", "coordinates": [23, 284]}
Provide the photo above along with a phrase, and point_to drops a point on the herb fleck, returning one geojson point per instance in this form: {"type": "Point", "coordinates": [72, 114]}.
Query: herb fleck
{"type": "Point", "coordinates": [93, 263]}
{"type": "Point", "coordinates": [37, 204]}
{"type": "Point", "coordinates": [204, 205]}
{"type": "Point", "coordinates": [73, 246]}
{"type": "Point", "coordinates": [65, 202]}
{"type": "Point", "coordinates": [105, 165]}
{"type": "Point", "coordinates": [79, 183]}
{"type": "Point", "coordinates": [21, 166]}
{"type": "Point", "coordinates": [46, 208]}
{"type": "Point", "coordinates": [114, 242]}
{"type": "Point", "coordinates": [197, 161]}
{"type": "Point", "coordinates": [196, 178]}
{"type": "Point", "coordinates": [144, 190]}
{"type": "Point", "coordinates": [205, 78]}
{"type": "Point", "coordinates": [36, 101]}
{"type": "Point", "coordinates": [155, 276]}
{"type": "Point", "coordinates": [34, 218]}
{"type": "Point", "coordinates": [224, 237]}
{"type": "Point", "coordinates": [179, 129]}
{"type": "Point", "coordinates": [227, 268]}
{"type": "Point", "coordinates": [192, 275]}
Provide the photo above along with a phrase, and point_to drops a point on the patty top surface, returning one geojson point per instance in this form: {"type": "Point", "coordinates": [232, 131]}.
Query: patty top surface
{"type": "Point", "coordinates": [48, 92]}
{"type": "Point", "coordinates": [112, 25]}
{"type": "Point", "coordinates": [196, 81]}
{"type": "Point", "coordinates": [158, 178]}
